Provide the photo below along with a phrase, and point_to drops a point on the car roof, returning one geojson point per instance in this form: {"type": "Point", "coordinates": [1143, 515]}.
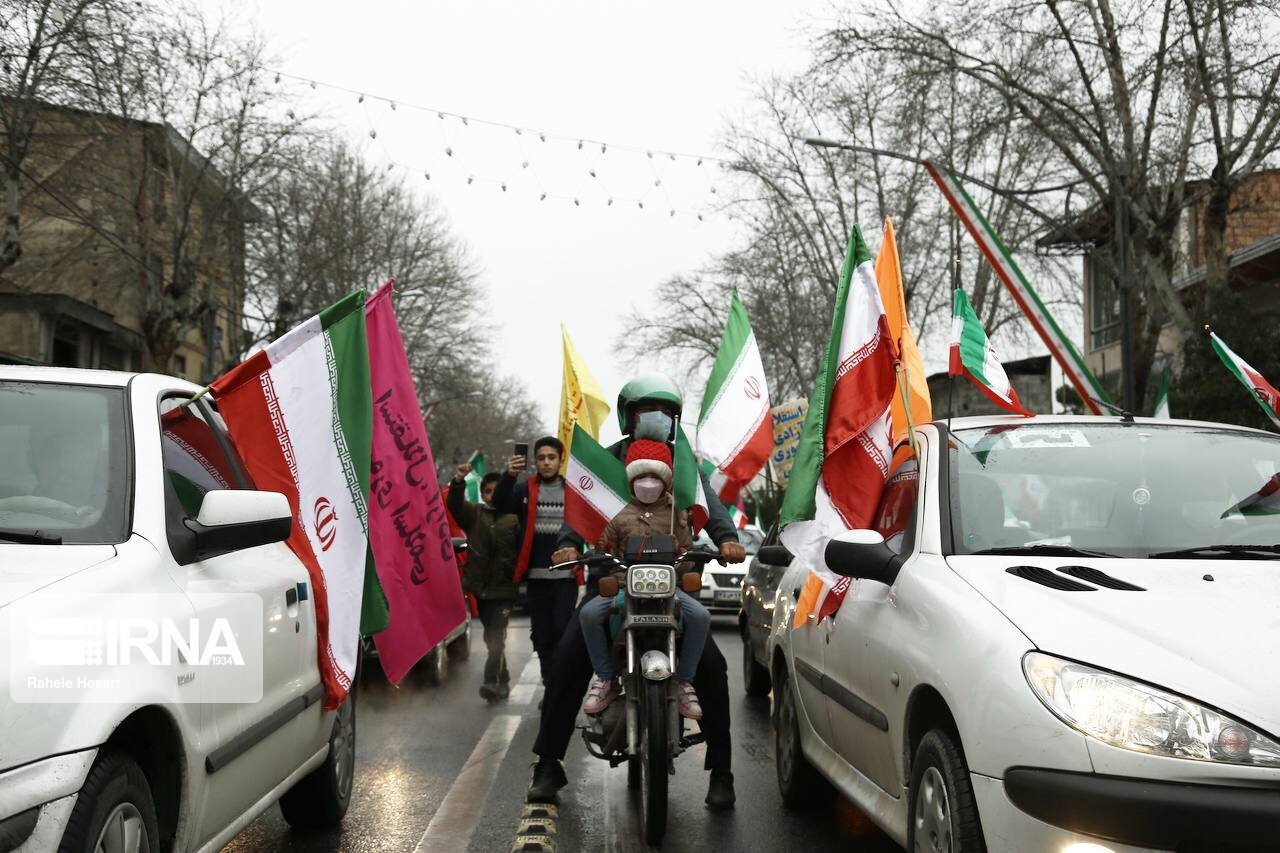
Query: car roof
{"type": "Point", "coordinates": [71, 375]}
{"type": "Point", "coordinates": [987, 421]}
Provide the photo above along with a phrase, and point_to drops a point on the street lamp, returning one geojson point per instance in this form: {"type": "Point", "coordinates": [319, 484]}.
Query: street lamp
{"type": "Point", "coordinates": [1121, 231]}
{"type": "Point", "coordinates": [431, 406]}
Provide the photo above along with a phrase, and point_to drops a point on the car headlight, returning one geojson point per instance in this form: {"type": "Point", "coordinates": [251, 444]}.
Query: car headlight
{"type": "Point", "coordinates": [651, 581]}
{"type": "Point", "coordinates": [1131, 715]}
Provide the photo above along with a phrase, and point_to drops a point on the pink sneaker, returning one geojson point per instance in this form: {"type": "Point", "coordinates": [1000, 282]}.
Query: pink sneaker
{"type": "Point", "coordinates": [689, 707]}
{"type": "Point", "coordinates": [600, 694]}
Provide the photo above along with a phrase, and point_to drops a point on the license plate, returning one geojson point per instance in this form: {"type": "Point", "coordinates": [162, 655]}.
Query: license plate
{"type": "Point", "coordinates": [728, 596]}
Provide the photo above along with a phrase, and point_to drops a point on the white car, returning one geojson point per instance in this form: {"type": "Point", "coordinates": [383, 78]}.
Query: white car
{"type": "Point", "coordinates": [1067, 644]}
{"type": "Point", "coordinates": [109, 518]}
{"type": "Point", "coordinates": [722, 585]}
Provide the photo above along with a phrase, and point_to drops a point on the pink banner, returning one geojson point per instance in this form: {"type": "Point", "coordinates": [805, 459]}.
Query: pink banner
{"type": "Point", "coordinates": [408, 530]}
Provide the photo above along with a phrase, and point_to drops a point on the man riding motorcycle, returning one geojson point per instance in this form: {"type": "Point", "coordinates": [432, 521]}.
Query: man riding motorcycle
{"type": "Point", "coordinates": [647, 408]}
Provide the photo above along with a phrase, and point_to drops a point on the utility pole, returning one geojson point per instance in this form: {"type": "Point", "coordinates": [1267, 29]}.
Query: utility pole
{"type": "Point", "coordinates": [1124, 286]}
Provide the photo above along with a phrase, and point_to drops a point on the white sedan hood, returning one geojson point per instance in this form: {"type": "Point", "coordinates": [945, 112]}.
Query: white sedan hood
{"type": "Point", "coordinates": [1213, 641]}
{"type": "Point", "coordinates": [27, 568]}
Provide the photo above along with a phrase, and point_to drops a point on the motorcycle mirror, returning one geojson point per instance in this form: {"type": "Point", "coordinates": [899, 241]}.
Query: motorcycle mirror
{"type": "Point", "coordinates": [691, 582]}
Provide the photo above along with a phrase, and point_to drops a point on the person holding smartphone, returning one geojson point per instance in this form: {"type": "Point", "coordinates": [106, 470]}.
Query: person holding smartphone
{"type": "Point", "coordinates": [538, 503]}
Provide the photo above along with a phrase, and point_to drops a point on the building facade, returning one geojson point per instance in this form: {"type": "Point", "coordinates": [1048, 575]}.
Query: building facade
{"type": "Point", "coordinates": [132, 252]}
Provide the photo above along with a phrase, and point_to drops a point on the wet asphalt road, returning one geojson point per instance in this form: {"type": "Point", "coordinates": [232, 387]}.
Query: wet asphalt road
{"type": "Point", "coordinates": [440, 769]}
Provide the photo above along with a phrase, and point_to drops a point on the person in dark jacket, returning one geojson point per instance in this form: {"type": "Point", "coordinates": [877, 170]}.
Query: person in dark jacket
{"type": "Point", "coordinates": [647, 408]}
{"type": "Point", "coordinates": [489, 572]}
{"type": "Point", "coordinates": [538, 503]}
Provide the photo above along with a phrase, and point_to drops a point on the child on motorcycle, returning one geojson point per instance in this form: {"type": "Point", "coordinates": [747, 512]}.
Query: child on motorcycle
{"type": "Point", "coordinates": [649, 513]}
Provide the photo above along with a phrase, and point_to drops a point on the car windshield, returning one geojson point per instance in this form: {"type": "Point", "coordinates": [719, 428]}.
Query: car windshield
{"type": "Point", "coordinates": [1125, 489]}
{"type": "Point", "coordinates": [63, 461]}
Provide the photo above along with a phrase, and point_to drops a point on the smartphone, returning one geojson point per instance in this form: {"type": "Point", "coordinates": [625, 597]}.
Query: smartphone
{"type": "Point", "coordinates": [521, 449]}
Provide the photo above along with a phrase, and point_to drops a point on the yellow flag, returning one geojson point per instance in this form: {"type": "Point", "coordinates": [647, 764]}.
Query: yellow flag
{"type": "Point", "coordinates": [581, 401]}
{"type": "Point", "coordinates": [889, 278]}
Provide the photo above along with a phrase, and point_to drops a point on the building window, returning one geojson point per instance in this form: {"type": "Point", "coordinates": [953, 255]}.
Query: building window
{"type": "Point", "coordinates": [66, 346]}
{"type": "Point", "coordinates": [180, 365]}
{"type": "Point", "coordinates": [111, 358]}
{"type": "Point", "coordinates": [1104, 307]}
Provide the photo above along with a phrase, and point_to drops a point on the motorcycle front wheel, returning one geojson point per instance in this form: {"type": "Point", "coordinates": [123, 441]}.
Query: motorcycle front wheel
{"type": "Point", "coordinates": [655, 761]}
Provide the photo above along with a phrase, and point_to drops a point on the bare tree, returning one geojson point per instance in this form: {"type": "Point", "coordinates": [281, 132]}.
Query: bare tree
{"type": "Point", "coordinates": [47, 48]}
{"type": "Point", "coordinates": [333, 222]}
{"type": "Point", "coordinates": [799, 205]}
{"type": "Point", "coordinates": [1119, 92]}
{"type": "Point", "coordinates": [209, 117]}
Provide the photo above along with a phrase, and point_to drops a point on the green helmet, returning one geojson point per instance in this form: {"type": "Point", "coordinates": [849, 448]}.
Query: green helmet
{"type": "Point", "coordinates": [651, 386]}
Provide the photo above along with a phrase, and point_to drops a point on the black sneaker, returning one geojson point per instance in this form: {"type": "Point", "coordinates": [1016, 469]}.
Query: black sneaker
{"type": "Point", "coordinates": [720, 792]}
{"type": "Point", "coordinates": [489, 692]}
{"type": "Point", "coordinates": [548, 779]}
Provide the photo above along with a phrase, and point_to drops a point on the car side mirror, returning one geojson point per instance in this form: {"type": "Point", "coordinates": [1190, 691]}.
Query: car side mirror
{"type": "Point", "coordinates": [863, 554]}
{"type": "Point", "coordinates": [774, 555]}
{"type": "Point", "coordinates": [235, 519]}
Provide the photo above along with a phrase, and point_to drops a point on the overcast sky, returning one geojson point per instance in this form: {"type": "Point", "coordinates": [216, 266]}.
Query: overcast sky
{"type": "Point", "coordinates": [660, 76]}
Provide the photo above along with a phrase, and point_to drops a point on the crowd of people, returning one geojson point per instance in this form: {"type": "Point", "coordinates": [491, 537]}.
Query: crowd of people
{"type": "Point", "coordinates": [517, 533]}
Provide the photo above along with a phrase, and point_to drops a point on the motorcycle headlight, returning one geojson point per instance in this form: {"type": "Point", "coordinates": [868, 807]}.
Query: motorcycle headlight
{"type": "Point", "coordinates": [651, 581]}
{"type": "Point", "coordinates": [1131, 715]}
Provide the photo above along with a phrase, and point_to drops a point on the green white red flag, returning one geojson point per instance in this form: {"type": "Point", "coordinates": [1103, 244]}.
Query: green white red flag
{"type": "Point", "coordinates": [1265, 501]}
{"type": "Point", "coordinates": [724, 488]}
{"type": "Point", "coordinates": [735, 431]}
{"type": "Point", "coordinates": [689, 492]}
{"type": "Point", "coordinates": [1162, 397]}
{"type": "Point", "coordinates": [472, 480]}
{"type": "Point", "coordinates": [738, 516]}
{"type": "Point", "coordinates": [300, 411]}
{"type": "Point", "coordinates": [1263, 393]}
{"type": "Point", "coordinates": [846, 446]}
{"type": "Point", "coordinates": [973, 357]}
{"type": "Point", "coordinates": [596, 486]}
{"type": "Point", "coordinates": [1001, 260]}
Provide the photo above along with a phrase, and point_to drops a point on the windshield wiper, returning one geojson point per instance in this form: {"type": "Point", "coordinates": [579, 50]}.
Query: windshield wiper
{"type": "Point", "coordinates": [1219, 552]}
{"type": "Point", "coordinates": [29, 537]}
{"type": "Point", "coordinates": [1045, 550]}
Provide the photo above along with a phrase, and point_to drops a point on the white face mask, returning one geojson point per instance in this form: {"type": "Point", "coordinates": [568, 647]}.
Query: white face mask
{"type": "Point", "coordinates": [648, 489]}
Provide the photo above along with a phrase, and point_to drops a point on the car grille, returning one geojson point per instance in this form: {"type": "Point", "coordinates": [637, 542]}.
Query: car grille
{"type": "Point", "coordinates": [726, 579]}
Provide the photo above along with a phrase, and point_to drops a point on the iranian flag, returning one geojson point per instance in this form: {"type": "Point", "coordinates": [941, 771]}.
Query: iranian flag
{"type": "Point", "coordinates": [1162, 397]}
{"type": "Point", "coordinates": [1266, 396]}
{"type": "Point", "coordinates": [687, 486]}
{"type": "Point", "coordinates": [596, 487]}
{"type": "Point", "coordinates": [845, 447]}
{"type": "Point", "coordinates": [300, 412]}
{"type": "Point", "coordinates": [735, 431]}
{"type": "Point", "coordinates": [973, 357]}
{"type": "Point", "coordinates": [473, 479]}
{"type": "Point", "coordinates": [1265, 501]}
{"type": "Point", "coordinates": [724, 488]}
{"type": "Point", "coordinates": [738, 515]}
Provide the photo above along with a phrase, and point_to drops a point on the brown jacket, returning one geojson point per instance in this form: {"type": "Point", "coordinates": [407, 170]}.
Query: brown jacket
{"type": "Point", "coordinates": [637, 519]}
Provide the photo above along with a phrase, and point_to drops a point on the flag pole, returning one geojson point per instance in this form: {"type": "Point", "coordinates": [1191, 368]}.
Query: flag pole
{"type": "Point", "coordinates": [674, 458]}
{"type": "Point", "coordinates": [903, 382]}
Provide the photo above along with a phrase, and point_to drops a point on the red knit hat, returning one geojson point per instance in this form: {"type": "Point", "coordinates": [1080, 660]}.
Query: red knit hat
{"type": "Point", "coordinates": [646, 456]}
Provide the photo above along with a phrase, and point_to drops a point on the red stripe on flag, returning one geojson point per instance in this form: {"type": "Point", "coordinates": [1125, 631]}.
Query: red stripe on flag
{"type": "Point", "coordinates": [854, 470]}
{"type": "Point", "coordinates": [750, 458]}
{"type": "Point", "coordinates": [582, 517]}
{"type": "Point", "coordinates": [242, 401]}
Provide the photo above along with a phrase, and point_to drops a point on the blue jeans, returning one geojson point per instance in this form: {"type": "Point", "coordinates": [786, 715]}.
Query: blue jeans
{"type": "Point", "coordinates": [695, 626]}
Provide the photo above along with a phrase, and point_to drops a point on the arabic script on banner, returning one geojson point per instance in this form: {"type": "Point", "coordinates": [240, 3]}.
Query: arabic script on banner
{"type": "Point", "coordinates": [788, 422]}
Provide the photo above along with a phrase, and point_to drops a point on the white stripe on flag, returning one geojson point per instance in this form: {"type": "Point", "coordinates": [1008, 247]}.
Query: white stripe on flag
{"type": "Point", "coordinates": [599, 496]}
{"type": "Point", "coordinates": [302, 382]}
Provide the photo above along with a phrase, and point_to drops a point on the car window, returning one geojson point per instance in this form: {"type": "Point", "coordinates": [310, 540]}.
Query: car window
{"type": "Point", "coordinates": [64, 457]}
{"type": "Point", "coordinates": [194, 457]}
{"type": "Point", "coordinates": [1123, 489]}
{"type": "Point", "coordinates": [896, 513]}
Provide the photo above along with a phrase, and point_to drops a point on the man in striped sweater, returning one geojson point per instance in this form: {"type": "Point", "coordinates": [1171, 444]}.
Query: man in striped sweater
{"type": "Point", "coordinates": [539, 504]}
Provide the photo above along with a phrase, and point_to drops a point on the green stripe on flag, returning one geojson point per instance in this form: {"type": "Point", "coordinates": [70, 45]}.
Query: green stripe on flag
{"type": "Point", "coordinates": [800, 503]}
{"type": "Point", "coordinates": [733, 346]}
{"type": "Point", "coordinates": [973, 338]}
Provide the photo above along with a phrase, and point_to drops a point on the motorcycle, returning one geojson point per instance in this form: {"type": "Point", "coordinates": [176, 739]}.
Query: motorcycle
{"type": "Point", "coordinates": [643, 726]}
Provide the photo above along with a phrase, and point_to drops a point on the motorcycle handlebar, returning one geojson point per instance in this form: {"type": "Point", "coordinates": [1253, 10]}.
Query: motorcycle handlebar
{"type": "Point", "coordinates": [703, 557]}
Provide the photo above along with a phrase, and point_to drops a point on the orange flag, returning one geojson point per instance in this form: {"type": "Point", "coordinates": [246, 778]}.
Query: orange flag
{"type": "Point", "coordinates": [889, 280]}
